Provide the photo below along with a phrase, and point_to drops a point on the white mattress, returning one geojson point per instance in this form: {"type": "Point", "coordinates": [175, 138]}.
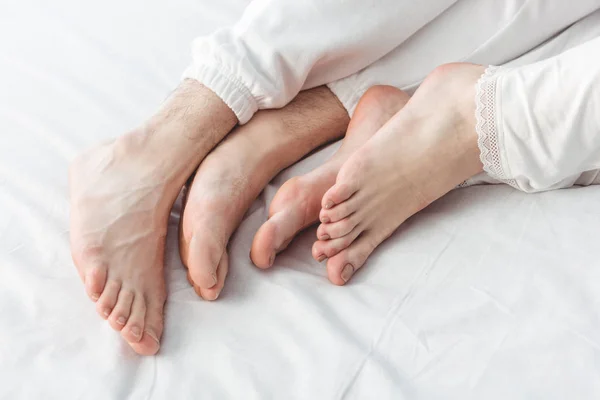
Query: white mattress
{"type": "Point", "coordinates": [488, 294]}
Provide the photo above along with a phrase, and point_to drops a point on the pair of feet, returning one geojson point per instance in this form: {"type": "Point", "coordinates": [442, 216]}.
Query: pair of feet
{"type": "Point", "coordinates": [398, 156]}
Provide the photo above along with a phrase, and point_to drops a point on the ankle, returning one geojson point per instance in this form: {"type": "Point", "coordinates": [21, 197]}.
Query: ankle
{"type": "Point", "coordinates": [459, 82]}
{"type": "Point", "coordinates": [192, 117]}
{"type": "Point", "coordinates": [313, 119]}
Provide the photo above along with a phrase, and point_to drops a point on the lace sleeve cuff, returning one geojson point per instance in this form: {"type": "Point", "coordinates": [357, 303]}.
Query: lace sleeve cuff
{"type": "Point", "coordinates": [489, 134]}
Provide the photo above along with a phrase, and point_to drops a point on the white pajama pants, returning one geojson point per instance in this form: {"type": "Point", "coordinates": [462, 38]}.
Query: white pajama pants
{"type": "Point", "coordinates": [539, 124]}
{"type": "Point", "coordinates": [280, 47]}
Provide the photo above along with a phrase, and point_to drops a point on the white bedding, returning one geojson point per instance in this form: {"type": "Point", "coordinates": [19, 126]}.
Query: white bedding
{"type": "Point", "coordinates": [488, 294]}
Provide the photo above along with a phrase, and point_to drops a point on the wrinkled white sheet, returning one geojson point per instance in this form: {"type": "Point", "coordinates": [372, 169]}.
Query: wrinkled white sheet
{"type": "Point", "coordinates": [488, 294]}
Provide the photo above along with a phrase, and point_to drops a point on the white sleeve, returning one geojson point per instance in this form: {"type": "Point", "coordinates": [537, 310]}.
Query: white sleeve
{"type": "Point", "coordinates": [539, 125]}
{"type": "Point", "coordinates": [280, 47]}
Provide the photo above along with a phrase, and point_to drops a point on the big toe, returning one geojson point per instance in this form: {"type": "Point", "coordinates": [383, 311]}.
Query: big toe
{"type": "Point", "coordinates": [205, 256]}
{"type": "Point", "coordinates": [342, 267]}
{"type": "Point", "coordinates": [274, 236]}
{"type": "Point", "coordinates": [295, 207]}
{"type": "Point", "coordinates": [214, 292]}
{"type": "Point", "coordinates": [95, 280]}
{"type": "Point", "coordinates": [91, 266]}
{"type": "Point", "coordinates": [264, 247]}
{"type": "Point", "coordinates": [149, 344]}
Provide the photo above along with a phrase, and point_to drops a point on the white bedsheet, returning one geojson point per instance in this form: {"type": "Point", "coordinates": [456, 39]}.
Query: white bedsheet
{"type": "Point", "coordinates": [487, 294]}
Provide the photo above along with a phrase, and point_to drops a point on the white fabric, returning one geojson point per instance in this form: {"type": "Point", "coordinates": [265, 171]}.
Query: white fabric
{"type": "Point", "coordinates": [477, 31]}
{"type": "Point", "coordinates": [538, 124]}
{"type": "Point", "coordinates": [488, 294]}
{"type": "Point", "coordinates": [279, 47]}
{"type": "Point", "coordinates": [282, 46]}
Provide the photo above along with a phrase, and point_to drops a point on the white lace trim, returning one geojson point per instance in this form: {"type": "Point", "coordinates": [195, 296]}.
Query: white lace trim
{"type": "Point", "coordinates": [485, 114]}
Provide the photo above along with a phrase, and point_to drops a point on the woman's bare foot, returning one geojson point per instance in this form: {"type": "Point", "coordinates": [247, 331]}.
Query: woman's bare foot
{"type": "Point", "coordinates": [234, 174]}
{"type": "Point", "coordinates": [297, 203]}
{"type": "Point", "coordinates": [423, 152]}
{"type": "Point", "coordinates": [121, 195]}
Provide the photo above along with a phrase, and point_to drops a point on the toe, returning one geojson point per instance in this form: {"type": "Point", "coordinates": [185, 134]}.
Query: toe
{"type": "Point", "coordinates": [339, 211]}
{"type": "Point", "coordinates": [341, 267]}
{"type": "Point", "coordinates": [95, 280]}
{"type": "Point", "coordinates": [338, 229]}
{"type": "Point", "coordinates": [132, 332]}
{"type": "Point", "coordinates": [323, 249]}
{"type": "Point", "coordinates": [275, 234]}
{"type": "Point", "coordinates": [205, 253]}
{"type": "Point", "coordinates": [214, 292]}
{"type": "Point", "coordinates": [107, 300]}
{"type": "Point", "coordinates": [120, 314]}
{"type": "Point", "coordinates": [149, 344]}
{"type": "Point", "coordinates": [293, 207]}
{"type": "Point", "coordinates": [90, 265]}
{"type": "Point", "coordinates": [264, 244]}
{"type": "Point", "coordinates": [339, 193]}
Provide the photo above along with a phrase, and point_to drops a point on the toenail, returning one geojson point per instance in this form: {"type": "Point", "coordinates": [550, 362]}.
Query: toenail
{"type": "Point", "coordinates": [321, 257]}
{"type": "Point", "coordinates": [106, 312]}
{"type": "Point", "coordinates": [272, 260]}
{"type": "Point", "coordinates": [328, 205]}
{"type": "Point", "coordinates": [325, 237]}
{"type": "Point", "coordinates": [121, 320]}
{"type": "Point", "coordinates": [153, 335]}
{"type": "Point", "coordinates": [211, 296]}
{"type": "Point", "coordinates": [214, 276]}
{"type": "Point", "coordinates": [135, 331]}
{"type": "Point", "coordinates": [347, 272]}
{"type": "Point", "coordinates": [95, 296]}
{"type": "Point", "coordinates": [325, 220]}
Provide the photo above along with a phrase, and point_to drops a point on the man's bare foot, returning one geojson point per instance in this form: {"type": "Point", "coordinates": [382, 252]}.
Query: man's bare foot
{"type": "Point", "coordinates": [121, 195]}
{"type": "Point", "coordinates": [423, 152]}
{"type": "Point", "coordinates": [297, 203]}
{"type": "Point", "coordinates": [234, 174]}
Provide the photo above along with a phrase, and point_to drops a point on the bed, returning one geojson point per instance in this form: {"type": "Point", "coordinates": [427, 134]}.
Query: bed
{"type": "Point", "coordinates": [487, 294]}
